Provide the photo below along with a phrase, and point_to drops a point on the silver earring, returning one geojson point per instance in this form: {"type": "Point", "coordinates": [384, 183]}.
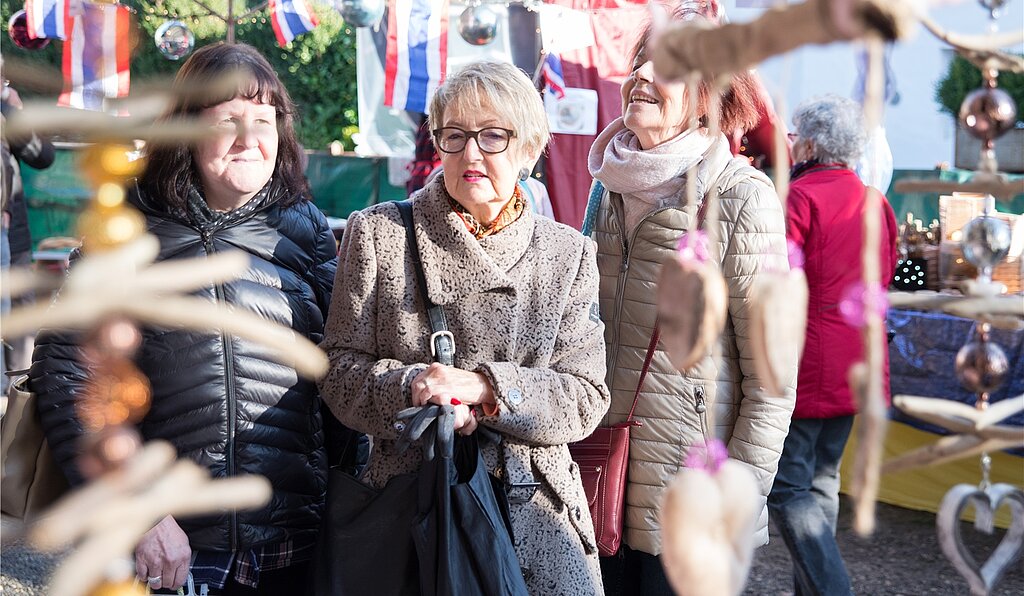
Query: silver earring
{"type": "Point", "coordinates": [524, 173]}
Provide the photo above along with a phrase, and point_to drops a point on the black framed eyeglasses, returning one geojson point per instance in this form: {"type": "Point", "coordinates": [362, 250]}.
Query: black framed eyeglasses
{"type": "Point", "coordinates": [493, 139]}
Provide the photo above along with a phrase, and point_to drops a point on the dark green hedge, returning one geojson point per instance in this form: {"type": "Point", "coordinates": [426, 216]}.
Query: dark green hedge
{"type": "Point", "coordinates": [318, 68]}
{"type": "Point", "coordinates": [963, 77]}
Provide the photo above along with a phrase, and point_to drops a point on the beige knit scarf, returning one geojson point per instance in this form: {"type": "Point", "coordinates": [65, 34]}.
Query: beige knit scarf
{"type": "Point", "coordinates": [646, 178]}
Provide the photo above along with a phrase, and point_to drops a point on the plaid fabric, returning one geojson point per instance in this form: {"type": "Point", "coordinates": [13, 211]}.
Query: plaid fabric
{"type": "Point", "coordinates": [509, 213]}
{"type": "Point", "coordinates": [425, 161]}
{"type": "Point", "coordinates": [214, 568]}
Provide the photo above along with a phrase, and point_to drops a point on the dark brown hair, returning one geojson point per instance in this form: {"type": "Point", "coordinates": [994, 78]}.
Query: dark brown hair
{"type": "Point", "coordinates": [199, 85]}
{"type": "Point", "coordinates": [739, 104]}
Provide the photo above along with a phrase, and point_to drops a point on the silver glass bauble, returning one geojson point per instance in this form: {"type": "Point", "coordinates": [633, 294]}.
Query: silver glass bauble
{"type": "Point", "coordinates": [478, 25]}
{"type": "Point", "coordinates": [985, 242]}
{"type": "Point", "coordinates": [361, 13]}
{"type": "Point", "coordinates": [981, 366]}
{"type": "Point", "coordinates": [988, 112]}
{"type": "Point", "coordinates": [174, 40]}
{"type": "Point", "coordinates": [17, 29]}
{"type": "Point", "coordinates": [993, 6]}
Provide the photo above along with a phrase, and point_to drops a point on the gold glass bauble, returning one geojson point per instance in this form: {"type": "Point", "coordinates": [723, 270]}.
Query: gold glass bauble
{"type": "Point", "coordinates": [110, 162]}
{"type": "Point", "coordinates": [128, 587]}
{"type": "Point", "coordinates": [106, 228]}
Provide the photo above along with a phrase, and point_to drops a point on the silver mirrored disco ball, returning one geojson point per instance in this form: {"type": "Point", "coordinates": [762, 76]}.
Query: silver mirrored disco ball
{"type": "Point", "coordinates": [361, 13]}
{"type": "Point", "coordinates": [478, 25]}
{"type": "Point", "coordinates": [174, 40]}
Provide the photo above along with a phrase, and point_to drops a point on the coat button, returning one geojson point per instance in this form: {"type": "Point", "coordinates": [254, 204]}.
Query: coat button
{"type": "Point", "coordinates": [399, 426]}
{"type": "Point", "coordinates": [576, 511]}
{"type": "Point", "coordinates": [515, 397]}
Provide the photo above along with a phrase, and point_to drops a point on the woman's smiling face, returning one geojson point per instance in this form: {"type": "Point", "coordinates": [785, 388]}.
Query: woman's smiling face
{"type": "Point", "coordinates": [238, 159]}
{"type": "Point", "coordinates": [481, 182]}
{"type": "Point", "coordinates": [656, 112]}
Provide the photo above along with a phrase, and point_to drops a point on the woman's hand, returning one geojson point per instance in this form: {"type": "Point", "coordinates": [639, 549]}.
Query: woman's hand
{"type": "Point", "coordinates": [440, 384]}
{"type": "Point", "coordinates": [465, 420]}
{"type": "Point", "coordinates": [163, 556]}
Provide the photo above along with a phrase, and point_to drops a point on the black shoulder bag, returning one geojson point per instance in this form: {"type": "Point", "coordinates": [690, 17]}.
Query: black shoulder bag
{"type": "Point", "coordinates": [444, 530]}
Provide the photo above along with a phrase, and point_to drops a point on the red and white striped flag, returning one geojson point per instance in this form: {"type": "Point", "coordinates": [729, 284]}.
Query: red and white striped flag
{"type": "Point", "coordinates": [417, 52]}
{"type": "Point", "coordinates": [96, 56]}
{"type": "Point", "coordinates": [290, 19]}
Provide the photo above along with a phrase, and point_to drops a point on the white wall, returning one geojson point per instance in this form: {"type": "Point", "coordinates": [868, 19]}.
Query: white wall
{"type": "Point", "coordinates": [919, 134]}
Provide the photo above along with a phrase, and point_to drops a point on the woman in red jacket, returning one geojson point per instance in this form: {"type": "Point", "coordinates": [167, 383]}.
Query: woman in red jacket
{"type": "Point", "coordinates": [825, 218]}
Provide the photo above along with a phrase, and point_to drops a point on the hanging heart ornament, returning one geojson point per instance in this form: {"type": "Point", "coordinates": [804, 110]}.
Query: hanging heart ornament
{"type": "Point", "coordinates": [692, 302]}
{"type": "Point", "coordinates": [981, 578]}
{"type": "Point", "coordinates": [708, 517]}
{"type": "Point", "coordinates": [778, 312]}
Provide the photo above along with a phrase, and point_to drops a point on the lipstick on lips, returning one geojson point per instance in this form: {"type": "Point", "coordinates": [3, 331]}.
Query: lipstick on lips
{"type": "Point", "coordinates": [473, 175]}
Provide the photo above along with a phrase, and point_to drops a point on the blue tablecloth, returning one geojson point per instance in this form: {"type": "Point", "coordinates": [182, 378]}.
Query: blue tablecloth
{"type": "Point", "coordinates": [922, 356]}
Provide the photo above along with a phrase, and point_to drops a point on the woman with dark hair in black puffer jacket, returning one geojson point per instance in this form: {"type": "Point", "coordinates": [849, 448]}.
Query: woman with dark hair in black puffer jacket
{"type": "Point", "coordinates": [222, 401]}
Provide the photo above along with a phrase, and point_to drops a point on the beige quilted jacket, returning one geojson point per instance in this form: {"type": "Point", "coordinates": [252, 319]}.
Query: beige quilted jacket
{"type": "Point", "coordinates": [739, 411]}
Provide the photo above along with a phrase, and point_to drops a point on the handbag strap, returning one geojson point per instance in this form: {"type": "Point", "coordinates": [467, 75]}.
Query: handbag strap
{"type": "Point", "coordinates": [442, 342]}
{"type": "Point", "coordinates": [656, 332]}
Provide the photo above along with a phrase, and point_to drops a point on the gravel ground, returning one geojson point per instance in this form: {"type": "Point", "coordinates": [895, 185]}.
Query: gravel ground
{"type": "Point", "coordinates": [902, 558]}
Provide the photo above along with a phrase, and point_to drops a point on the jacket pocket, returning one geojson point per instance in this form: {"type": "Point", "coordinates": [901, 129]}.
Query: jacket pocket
{"type": "Point", "coordinates": [562, 474]}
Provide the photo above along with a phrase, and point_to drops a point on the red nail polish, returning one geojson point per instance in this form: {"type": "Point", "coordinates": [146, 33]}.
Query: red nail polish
{"type": "Point", "coordinates": [456, 402]}
{"type": "Point", "coordinates": [475, 414]}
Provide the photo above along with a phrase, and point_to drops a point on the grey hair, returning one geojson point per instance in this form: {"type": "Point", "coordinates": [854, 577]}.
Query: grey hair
{"type": "Point", "coordinates": [501, 89]}
{"type": "Point", "coordinates": [835, 126]}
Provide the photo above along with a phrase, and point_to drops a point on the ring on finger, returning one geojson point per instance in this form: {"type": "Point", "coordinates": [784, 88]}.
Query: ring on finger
{"type": "Point", "coordinates": [155, 580]}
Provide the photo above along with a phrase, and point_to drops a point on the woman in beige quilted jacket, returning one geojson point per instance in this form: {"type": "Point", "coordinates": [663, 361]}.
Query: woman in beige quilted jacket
{"type": "Point", "coordinates": [642, 161]}
{"type": "Point", "coordinates": [520, 297]}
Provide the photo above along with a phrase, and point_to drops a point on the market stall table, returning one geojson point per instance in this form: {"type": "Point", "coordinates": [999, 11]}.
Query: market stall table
{"type": "Point", "coordinates": [921, 362]}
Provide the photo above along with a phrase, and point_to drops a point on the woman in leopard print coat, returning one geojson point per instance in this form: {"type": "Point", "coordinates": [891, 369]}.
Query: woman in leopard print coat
{"type": "Point", "coordinates": [520, 296]}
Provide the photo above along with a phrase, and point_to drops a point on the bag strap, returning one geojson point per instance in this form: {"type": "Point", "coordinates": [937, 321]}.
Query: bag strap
{"type": "Point", "coordinates": [656, 332]}
{"type": "Point", "coordinates": [442, 342]}
{"type": "Point", "coordinates": [593, 205]}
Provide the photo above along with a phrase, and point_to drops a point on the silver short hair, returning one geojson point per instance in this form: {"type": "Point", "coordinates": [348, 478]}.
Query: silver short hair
{"type": "Point", "coordinates": [501, 89]}
{"type": "Point", "coordinates": [835, 126]}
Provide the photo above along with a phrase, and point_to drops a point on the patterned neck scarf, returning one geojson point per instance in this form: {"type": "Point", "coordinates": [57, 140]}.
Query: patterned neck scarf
{"type": "Point", "coordinates": [202, 217]}
{"type": "Point", "coordinates": [509, 213]}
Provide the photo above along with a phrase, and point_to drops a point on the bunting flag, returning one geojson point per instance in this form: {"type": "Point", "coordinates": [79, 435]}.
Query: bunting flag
{"type": "Point", "coordinates": [291, 18]}
{"type": "Point", "coordinates": [417, 52]}
{"type": "Point", "coordinates": [46, 18]}
{"type": "Point", "coordinates": [96, 56]}
{"type": "Point", "coordinates": [552, 72]}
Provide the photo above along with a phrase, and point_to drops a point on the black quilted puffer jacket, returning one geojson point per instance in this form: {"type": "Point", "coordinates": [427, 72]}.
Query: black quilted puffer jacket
{"type": "Point", "coordinates": [222, 401]}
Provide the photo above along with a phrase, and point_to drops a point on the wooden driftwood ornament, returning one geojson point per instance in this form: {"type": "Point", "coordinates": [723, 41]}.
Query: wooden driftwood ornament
{"type": "Point", "coordinates": [985, 501]}
{"type": "Point", "coordinates": [695, 46]}
{"type": "Point", "coordinates": [976, 430]}
{"type": "Point", "coordinates": [778, 318]}
{"type": "Point", "coordinates": [105, 519]}
{"type": "Point", "coordinates": [692, 302]}
{"type": "Point", "coordinates": [867, 378]}
{"type": "Point", "coordinates": [707, 530]}
{"type": "Point", "coordinates": [123, 281]}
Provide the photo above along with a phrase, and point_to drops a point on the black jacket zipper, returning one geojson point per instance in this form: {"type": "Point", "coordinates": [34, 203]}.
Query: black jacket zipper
{"type": "Point", "coordinates": [229, 384]}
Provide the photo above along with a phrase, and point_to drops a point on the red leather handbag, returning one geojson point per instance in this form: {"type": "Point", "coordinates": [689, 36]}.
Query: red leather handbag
{"type": "Point", "coordinates": [603, 458]}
